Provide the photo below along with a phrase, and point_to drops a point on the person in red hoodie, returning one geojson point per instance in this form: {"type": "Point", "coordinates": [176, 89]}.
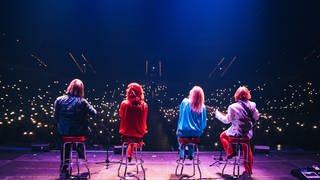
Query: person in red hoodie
{"type": "Point", "coordinates": [133, 114]}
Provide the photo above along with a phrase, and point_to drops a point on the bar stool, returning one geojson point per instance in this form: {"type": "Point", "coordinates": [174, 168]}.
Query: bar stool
{"type": "Point", "coordinates": [195, 161]}
{"type": "Point", "coordinates": [137, 144]}
{"type": "Point", "coordinates": [238, 142]}
{"type": "Point", "coordinates": [74, 142]}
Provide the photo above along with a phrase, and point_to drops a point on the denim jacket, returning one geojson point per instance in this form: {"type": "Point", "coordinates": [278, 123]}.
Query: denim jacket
{"type": "Point", "coordinates": [71, 114]}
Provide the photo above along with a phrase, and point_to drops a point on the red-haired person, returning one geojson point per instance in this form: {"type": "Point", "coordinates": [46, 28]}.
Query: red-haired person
{"type": "Point", "coordinates": [71, 114]}
{"type": "Point", "coordinates": [242, 115]}
{"type": "Point", "coordinates": [133, 116]}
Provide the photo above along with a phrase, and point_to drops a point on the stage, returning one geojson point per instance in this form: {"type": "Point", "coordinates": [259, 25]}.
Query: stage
{"type": "Point", "coordinates": [158, 165]}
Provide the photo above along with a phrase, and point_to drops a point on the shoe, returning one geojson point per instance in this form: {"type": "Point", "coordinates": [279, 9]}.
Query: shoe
{"type": "Point", "coordinates": [232, 155]}
{"type": "Point", "coordinates": [129, 159]}
{"type": "Point", "coordinates": [190, 157]}
{"type": "Point", "coordinates": [246, 174]}
{"type": "Point", "coordinates": [64, 175]}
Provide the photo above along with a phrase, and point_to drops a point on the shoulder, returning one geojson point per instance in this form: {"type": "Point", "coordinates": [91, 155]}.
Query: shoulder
{"type": "Point", "coordinates": [234, 105]}
{"type": "Point", "coordinates": [124, 103]}
{"type": "Point", "coordinates": [145, 104]}
{"type": "Point", "coordinates": [204, 107]}
{"type": "Point", "coordinates": [252, 104]}
{"type": "Point", "coordinates": [185, 101]}
{"type": "Point", "coordinates": [83, 100]}
{"type": "Point", "coordinates": [60, 98]}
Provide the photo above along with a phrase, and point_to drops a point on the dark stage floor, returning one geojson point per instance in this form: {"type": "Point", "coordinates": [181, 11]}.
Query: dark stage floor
{"type": "Point", "coordinates": [158, 165]}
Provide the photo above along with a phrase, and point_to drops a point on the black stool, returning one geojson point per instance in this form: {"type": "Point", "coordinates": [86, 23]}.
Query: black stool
{"type": "Point", "coordinates": [238, 142]}
{"type": "Point", "coordinates": [137, 144]}
{"type": "Point", "coordinates": [195, 161]}
{"type": "Point", "coordinates": [74, 141]}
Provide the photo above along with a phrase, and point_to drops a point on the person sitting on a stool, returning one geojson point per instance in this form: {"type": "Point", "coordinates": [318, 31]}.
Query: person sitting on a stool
{"type": "Point", "coordinates": [242, 115]}
{"type": "Point", "coordinates": [70, 112]}
{"type": "Point", "coordinates": [133, 116]}
{"type": "Point", "coordinates": [192, 119]}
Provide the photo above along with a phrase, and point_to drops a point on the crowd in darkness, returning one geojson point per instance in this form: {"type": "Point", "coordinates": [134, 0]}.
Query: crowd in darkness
{"type": "Point", "coordinates": [287, 111]}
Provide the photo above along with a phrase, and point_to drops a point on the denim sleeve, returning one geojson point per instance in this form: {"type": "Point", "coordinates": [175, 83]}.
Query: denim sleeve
{"type": "Point", "coordinates": [56, 111]}
{"type": "Point", "coordinates": [90, 109]}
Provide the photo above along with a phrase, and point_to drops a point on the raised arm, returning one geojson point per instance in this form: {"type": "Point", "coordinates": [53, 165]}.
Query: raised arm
{"type": "Point", "coordinates": [225, 118]}
{"type": "Point", "coordinates": [255, 111]}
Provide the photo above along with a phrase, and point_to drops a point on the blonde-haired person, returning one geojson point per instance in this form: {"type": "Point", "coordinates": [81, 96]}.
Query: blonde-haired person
{"type": "Point", "coordinates": [242, 115]}
{"type": "Point", "coordinates": [133, 115]}
{"type": "Point", "coordinates": [192, 118]}
{"type": "Point", "coordinates": [71, 114]}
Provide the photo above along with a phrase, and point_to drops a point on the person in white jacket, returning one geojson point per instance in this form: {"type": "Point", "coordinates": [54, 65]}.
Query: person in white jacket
{"type": "Point", "coordinates": [242, 115]}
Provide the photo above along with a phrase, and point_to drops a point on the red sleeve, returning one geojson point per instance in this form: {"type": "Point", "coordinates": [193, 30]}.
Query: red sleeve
{"type": "Point", "coordinates": [122, 116]}
{"type": "Point", "coordinates": [145, 115]}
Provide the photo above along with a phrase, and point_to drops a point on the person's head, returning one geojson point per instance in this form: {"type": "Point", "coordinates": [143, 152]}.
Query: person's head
{"type": "Point", "coordinates": [75, 88]}
{"type": "Point", "coordinates": [196, 97]}
{"type": "Point", "coordinates": [242, 94]}
{"type": "Point", "coordinates": [134, 93]}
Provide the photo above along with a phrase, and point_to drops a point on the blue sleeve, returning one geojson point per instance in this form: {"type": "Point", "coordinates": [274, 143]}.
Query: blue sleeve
{"type": "Point", "coordinates": [181, 109]}
{"type": "Point", "coordinates": [204, 119]}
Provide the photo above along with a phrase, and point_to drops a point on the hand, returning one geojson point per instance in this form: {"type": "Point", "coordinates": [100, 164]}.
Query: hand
{"type": "Point", "coordinates": [211, 109]}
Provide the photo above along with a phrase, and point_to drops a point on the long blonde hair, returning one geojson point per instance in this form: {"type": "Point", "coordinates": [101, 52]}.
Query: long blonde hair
{"type": "Point", "coordinates": [196, 97]}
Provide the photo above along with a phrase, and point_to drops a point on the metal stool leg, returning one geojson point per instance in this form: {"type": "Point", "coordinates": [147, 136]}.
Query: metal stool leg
{"type": "Point", "coordinates": [86, 160]}
{"type": "Point", "coordinates": [63, 157]}
{"type": "Point", "coordinates": [77, 160]}
{"type": "Point", "coordinates": [195, 161]}
{"type": "Point", "coordinates": [137, 158]}
{"type": "Point", "coordinates": [126, 165]}
{"type": "Point", "coordinates": [226, 159]}
{"type": "Point", "coordinates": [141, 163]}
{"type": "Point", "coordinates": [70, 159]}
{"type": "Point", "coordinates": [198, 161]}
{"type": "Point", "coordinates": [193, 166]}
{"type": "Point", "coordinates": [121, 160]}
{"type": "Point", "coordinates": [179, 162]}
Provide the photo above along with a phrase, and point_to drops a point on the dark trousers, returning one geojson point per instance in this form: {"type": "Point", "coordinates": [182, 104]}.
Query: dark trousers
{"type": "Point", "coordinates": [80, 150]}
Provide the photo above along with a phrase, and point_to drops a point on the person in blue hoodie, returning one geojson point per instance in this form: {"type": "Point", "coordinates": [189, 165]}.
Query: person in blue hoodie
{"type": "Point", "coordinates": [192, 119]}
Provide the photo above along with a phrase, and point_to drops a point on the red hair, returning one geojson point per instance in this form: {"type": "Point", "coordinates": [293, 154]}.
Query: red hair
{"type": "Point", "coordinates": [242, 94]}
{"type": "Point", "coordinates": [75, 88]}
{"type": "Point", "coordinates": [135, 93]}
{"type": "Point", "coordinates": [196, 97]}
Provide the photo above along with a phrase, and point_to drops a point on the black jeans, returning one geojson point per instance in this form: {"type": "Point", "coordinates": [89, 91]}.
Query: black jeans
{"type": "Point", "coordinates": [80, 150]}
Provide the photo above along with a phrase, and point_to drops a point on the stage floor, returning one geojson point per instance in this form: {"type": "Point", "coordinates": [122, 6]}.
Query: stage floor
{"type": "Point", "coordinates": [159, 165]}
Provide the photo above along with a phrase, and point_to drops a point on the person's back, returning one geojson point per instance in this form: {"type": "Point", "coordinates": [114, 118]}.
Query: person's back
{"type": "Point", "coordinates": [237, 115]}
{"type": "Point", "coordinates": [192, 119]}
{"type": "Point", "coordinates": [133, 119]}
{"type": "Point", "coordinates": [133, 114]}
{"type": "Point", "coordinates": [190, 124]}
{"type": "Point", "coordinates": [72, 115]}
{"type": "Point", "coordinates": [242, 115]}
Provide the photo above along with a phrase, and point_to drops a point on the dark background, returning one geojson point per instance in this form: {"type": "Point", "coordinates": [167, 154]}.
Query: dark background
{"type": "Point", "coordinates": [274, 42]}
{"type": "Point", "coordinates": [269, 38]}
